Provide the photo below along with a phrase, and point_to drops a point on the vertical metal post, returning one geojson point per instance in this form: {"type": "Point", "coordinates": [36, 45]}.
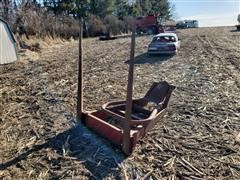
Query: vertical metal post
{"type": "Point", "coordinates": [128, 110]}
{"type": "Point", "coordinates": [80, 75]}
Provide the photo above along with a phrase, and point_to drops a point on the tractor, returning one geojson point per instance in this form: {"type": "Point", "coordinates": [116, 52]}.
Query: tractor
{"type": "Point", "coordinates": [150, 24]}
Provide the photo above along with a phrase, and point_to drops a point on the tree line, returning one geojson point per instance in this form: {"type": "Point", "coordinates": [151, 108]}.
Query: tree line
{"type": "Point", "coordinates": [60, 18]}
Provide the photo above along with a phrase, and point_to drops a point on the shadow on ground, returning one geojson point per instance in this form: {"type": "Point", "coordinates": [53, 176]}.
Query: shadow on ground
{"type": "Point", "coordinates": [80, 144]}
{"type": "Point", "coordinates": [150, 59]}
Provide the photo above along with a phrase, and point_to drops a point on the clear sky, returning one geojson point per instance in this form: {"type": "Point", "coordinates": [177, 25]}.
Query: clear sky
{"type": "Point", "coordinates": [208, 12]}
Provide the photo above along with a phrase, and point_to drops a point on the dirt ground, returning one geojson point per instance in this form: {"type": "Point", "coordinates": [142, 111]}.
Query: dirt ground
{"type": "Point", "coordinates": [199, 137]}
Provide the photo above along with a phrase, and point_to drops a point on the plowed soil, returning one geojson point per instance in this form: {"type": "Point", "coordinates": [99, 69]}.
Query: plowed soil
{"type": "Point", "coordinates": [199, 137]}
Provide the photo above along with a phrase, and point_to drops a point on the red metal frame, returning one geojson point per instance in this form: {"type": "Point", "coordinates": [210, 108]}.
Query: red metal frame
{"type": "Point", "coordinates": [95, 121]}
{"type": "Point", "coordinates": [131, 130]}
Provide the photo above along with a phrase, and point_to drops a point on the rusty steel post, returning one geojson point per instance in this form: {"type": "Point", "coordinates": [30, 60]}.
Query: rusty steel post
{"type": "Point", "coordinates": [128, 110]}
{"type": "Point", "coordinates": [80, 75]}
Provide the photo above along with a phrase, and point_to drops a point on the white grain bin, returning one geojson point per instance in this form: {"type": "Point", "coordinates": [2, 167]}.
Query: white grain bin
{"type": "Point", "coordinates": [8, 50]}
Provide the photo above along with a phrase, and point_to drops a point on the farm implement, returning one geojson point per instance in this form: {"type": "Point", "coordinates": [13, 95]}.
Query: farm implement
{"type": "Point", "coordinates": [124, 123]}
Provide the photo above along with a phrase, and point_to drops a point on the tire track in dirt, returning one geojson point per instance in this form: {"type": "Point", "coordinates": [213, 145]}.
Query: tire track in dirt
{"type": "Point", "coordinates": [231, 49]}
{"type": "Point", "coordinates": [226, 81]}
{"type": "Point", "coordinates": [211, 47]}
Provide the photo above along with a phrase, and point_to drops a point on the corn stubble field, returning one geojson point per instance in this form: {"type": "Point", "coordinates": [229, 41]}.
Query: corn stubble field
{"type": "Point", "coordinates": [199, 137]}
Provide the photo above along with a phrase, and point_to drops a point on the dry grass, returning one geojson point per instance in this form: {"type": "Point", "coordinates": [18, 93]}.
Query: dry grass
{"type": "Point", "coordinates": [197, 139]}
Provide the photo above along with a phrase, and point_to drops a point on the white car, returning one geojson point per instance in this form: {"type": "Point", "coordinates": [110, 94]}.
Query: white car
{"type": "Point", "coordinates": [164, 43]}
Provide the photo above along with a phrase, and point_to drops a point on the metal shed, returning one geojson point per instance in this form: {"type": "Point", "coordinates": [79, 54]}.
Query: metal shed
{"type": "Point", "coordinates": [8, 50]}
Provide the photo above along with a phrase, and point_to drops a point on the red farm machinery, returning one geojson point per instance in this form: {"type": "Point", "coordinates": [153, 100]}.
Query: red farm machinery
{"type": "Point", "coordinates": [153, 24]}
{"type": "Point", "coordinates": [133, 115]}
